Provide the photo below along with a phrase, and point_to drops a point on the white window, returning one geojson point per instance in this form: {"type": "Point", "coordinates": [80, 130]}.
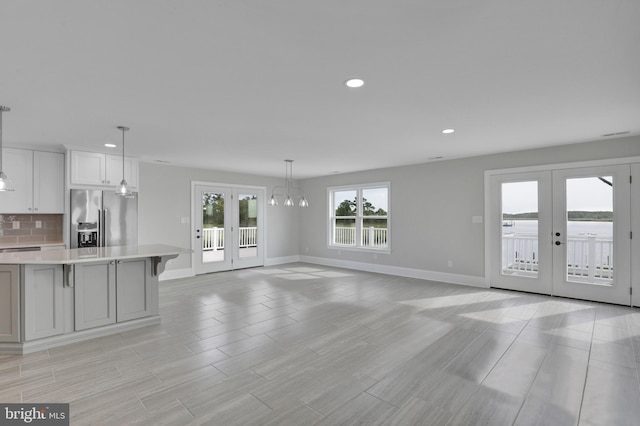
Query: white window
{"type": "Point", "coordinates": [359, 217]}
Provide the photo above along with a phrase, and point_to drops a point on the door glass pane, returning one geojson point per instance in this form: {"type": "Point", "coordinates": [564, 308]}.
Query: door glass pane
{"type": "Point", "coordinates": [589, 242]}
{"type": "Point", "coordinates": [520, 228]}
{"type": "Point", "coordinates": [212, 227]}
{"type": "Point", "coordinates": [247, 225]}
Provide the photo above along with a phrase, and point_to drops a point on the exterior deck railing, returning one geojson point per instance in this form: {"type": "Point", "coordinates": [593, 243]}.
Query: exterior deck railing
{"type": "Point", "coordinates": [371, 236]}
{"type": "Point", "coordinates": [213, 238]}
{"type": "Point", "coordinates": [588, 257]}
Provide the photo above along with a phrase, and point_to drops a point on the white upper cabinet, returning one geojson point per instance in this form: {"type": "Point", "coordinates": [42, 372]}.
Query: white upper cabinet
{"type": "Point", "coordinates": [48, 182]}
{"type": "Point", "coordinates": [97, 169]}
{"type": "Point", "coordinates": [114, 170]}
{"type": "Point", "coordinates": [38, 179]}
{"type": "Point", "coordinates": [87, 168]}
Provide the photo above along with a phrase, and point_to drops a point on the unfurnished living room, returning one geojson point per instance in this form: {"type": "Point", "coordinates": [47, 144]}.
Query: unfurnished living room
{"type": "Point", "coordinates": [334, 213]}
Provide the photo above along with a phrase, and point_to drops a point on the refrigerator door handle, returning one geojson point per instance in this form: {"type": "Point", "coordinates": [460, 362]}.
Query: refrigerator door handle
{"type": "Point", "coordinates": [104, 227]}
{"type": "Point", "coordinates": [99, 228]}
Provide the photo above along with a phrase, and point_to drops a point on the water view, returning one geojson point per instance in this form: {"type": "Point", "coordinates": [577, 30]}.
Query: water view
{"type": "Point", "coordinates": [574, 228]}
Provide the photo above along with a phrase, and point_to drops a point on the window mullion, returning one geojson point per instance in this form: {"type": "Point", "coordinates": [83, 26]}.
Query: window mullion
{"type": "Point", "coordinates": [359, 219]}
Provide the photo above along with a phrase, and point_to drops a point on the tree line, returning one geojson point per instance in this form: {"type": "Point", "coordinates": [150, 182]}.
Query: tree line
{"type": "Point", "coordinates": [601, 216]}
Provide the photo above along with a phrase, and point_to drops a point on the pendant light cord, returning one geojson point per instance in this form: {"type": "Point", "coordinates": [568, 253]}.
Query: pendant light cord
{"type": "Point", "coordinates": [123, 152]}
{"type": "Point", "coordinates": [3, 109]}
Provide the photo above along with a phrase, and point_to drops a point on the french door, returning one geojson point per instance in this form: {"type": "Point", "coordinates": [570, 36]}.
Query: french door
{"type": "Point", "coordinates": [564, 232]}
{"type": "Point", "coordinates": [228, 231]}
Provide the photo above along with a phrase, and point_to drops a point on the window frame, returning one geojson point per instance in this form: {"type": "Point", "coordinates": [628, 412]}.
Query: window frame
{"type": "Point", "coordinates": [359, 217]}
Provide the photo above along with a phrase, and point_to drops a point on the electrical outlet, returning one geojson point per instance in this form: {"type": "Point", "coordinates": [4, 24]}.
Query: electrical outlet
{"type": "Point", "coordinates": [38, 224]}
{"type": "Point", "coordinates": [450, 263]}
{"type": "Point", "coordinates": [16, 224]}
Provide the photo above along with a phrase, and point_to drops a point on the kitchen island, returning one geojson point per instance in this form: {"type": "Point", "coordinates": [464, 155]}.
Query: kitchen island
{"type": "Point", "coordinates": [56, 297]}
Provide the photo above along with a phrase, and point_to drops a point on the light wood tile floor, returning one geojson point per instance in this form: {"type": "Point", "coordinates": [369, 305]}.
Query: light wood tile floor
{"type": "Point", "coordinates": [303, 344]}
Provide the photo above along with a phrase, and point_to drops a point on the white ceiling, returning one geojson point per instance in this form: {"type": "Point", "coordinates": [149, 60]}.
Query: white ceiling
{"type": "Point", "coordinates": [241, 85]}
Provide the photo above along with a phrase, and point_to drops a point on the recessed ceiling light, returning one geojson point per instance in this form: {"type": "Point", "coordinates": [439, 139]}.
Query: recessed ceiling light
{"type": "Point", "coordinates": [110, 145]}
{"type": "Point", "coordinates": [354, 82]}
{"type": "Point", "coordinates": [448, 131]}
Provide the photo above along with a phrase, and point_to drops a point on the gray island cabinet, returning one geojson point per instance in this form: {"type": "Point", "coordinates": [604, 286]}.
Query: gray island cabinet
{"type": "Point", "coordinates": [52, 298]}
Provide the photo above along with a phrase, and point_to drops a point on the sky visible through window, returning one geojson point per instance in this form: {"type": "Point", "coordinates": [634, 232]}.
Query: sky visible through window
{"type": "Point", "coordinates": [583, 194]}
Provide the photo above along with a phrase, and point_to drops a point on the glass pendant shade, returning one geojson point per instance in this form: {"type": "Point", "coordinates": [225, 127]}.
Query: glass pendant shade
{"type": "Point", "coordinates": [123, 189]}
{"type": "Point", "coordinates": [273, 201]}
{"type": "Point", "coordinates": [303, 202]}
{"type": "Point", "coordinates": [6, 184]}
{"type": "Point", "coordinates": [288, 201]}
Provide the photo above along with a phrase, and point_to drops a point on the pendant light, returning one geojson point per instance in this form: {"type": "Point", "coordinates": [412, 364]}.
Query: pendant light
{"type": "Point", "coordinates": [5, 183]}
{"type": "Point", "coordinates": [123, 189]}
{"type": "Point", "coordinates": [288, 185]}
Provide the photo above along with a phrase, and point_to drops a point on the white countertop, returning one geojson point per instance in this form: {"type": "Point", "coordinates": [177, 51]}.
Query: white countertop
{"type": "Point", "coordinates": [86, 255]}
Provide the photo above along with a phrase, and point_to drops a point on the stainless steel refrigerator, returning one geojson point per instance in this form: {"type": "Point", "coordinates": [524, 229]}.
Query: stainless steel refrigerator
{"type": "Point", "coordinates": [103, 218]}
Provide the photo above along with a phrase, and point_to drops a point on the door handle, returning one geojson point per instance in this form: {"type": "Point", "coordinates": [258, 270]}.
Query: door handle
{"type": "Point", "coordinates": [559, 243]}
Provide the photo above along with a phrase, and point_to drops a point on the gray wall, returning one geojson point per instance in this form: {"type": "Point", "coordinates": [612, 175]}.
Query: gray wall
{"type": "Point", "coordinates": [432, 205]}
{"type": "Point", "coordinates": [165, 197]}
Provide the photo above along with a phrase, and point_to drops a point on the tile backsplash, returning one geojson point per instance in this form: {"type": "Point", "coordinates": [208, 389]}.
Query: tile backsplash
{"type": "Point", "coordinates": [30, 229]}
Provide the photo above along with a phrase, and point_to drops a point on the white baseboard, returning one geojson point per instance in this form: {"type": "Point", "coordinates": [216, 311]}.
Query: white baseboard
{"type": "Point", "coordinates": [281, 260]}
{"type": "Point", "coordinates": [358, 266]}
{"type": "Point", "coordinates": [172, 274]}
{"type": "Point", "coordinates": [399, 271]}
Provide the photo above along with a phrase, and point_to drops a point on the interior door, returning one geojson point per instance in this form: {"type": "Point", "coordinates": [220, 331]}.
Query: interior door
{"type": "Point", "coordinates": [591, 233]}
{"type": "Point", "coordinates": [564, 232]}
{"type": "Point", "coordinates": [229, 228]}
{"type": "Point", "coordinates": [635, 240]}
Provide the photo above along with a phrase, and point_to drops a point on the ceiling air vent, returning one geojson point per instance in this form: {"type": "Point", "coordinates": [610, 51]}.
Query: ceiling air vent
{"type": "Point", "coordinates": [616, 134]}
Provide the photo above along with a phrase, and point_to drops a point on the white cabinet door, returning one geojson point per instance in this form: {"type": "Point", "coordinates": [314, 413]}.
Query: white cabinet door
{"type": "Point", "coordinates": [95, 294]}
{"type": "Point", "coordinates": [114, 170]}
{"type": "Point", "coordinates": [48, 182]}
{"type": "Point", "coordinates": [18, 166]}
{"type": "Point", "coordinates": [9, 303]}
{"type": "Point", "coordinates": [87, 168]}
{"type": "Point", "coordinates": [96, 169]}
{"type": "Point", "coordinates": [134, 285]}
{"type": "Point", "coordinates": [38, 179]}
{"type": "Point", "coordinates": [43, 301]}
